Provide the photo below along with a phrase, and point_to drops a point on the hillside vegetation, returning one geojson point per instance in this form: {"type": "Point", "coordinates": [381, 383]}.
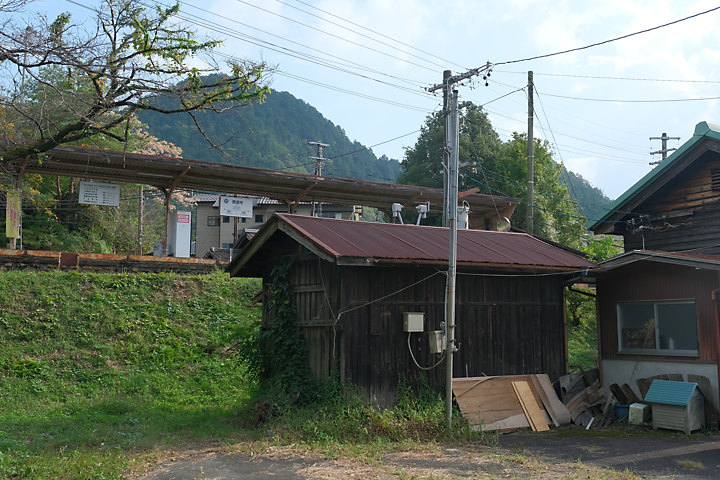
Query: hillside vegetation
{"type": "Point", "coordinates": [96, 369]}
{"type": "Point", "coordinates": [272, 135]}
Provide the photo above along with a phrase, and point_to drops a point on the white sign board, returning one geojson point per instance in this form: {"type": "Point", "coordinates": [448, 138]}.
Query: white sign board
{"type": "Point", "coordinates": [96, 193]}
{"type": "Point", "coordinates": [236, 207]}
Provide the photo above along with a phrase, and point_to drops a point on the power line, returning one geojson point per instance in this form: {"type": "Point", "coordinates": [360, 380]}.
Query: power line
{"type": "Point", "coordinates": [577, 49]}
{"type": "Point", "coordinates": [350, 92]}
{"type": "Point", "coordinates": [382, 35]}
{"type": "Point", "coordinates": [292, 53]}
{"type": "Point", "coordinates": [343, 61]}
{"type": "Point", "coordinates": [600, 77]}
{"type": "Point", "coordinates": [375, 145]}
{"type": "Point", "coordinates": [615, 100]}
{"type": "Point", "coordinates": [336, 36]}
{"type": "Point", "coordinates": [359, 33]}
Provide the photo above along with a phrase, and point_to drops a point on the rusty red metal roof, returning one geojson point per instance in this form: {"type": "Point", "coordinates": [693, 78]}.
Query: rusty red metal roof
{"type": "Point", "coordinates": [351, 242]}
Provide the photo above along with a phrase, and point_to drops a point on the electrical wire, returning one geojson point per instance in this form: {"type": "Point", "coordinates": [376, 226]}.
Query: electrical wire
{"type": "Point", "coordinates": [599, 77]}
{"type": "Point", "coordinates": [336, 36]}
{"type": "Point", "coordinates": [342, 60]}
{"type": "Point", "coordinates": [382, 35]}
{"type": "Point", "coordinates": [412, 355]}
{"type": "Point", "coordinates": [620, 100]}
{"type": "Point", "coordinates": [361, 34]}
{"type": "Point", "coordinates": [604, 42]}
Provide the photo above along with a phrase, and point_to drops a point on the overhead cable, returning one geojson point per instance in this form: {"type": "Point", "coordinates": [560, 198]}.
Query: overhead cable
{"type": "Point", "coordinates": [622, 37]}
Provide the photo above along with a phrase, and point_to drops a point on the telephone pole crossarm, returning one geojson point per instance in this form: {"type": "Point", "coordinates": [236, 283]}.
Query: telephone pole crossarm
{"type": "Point", "coordinates": [460, 77]}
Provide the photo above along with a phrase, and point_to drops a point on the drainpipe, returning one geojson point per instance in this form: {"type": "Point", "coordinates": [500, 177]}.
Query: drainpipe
{"type": "Point", "coordinates": [716, 317]}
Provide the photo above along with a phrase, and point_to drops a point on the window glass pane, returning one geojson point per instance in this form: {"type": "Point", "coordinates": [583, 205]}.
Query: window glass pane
{"type": "Point", "coordinates": [636, 322]}
{"type": "Point", "coordinates": [677, 326]}
{"type": "Point", "coordinates": [661, 328]}
{"type": "Point", "coordinates": [258, 218]}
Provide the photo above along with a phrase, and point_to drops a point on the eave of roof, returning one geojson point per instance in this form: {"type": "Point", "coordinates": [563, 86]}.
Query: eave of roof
{"type": "Point", "coordinates": [694, 260]}
{"type": "Point", "coordinates": [346, 242]}
{"type": "Point", "coordinates": [703, 131]}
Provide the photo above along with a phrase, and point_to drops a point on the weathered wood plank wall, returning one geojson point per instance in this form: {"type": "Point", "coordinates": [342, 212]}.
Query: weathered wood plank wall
{"type": "Point", "coordinates": [690, 204]}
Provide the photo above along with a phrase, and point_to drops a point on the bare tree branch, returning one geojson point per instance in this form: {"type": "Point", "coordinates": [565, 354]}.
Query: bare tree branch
{"type": "Point", "coordinates": [63, 83]}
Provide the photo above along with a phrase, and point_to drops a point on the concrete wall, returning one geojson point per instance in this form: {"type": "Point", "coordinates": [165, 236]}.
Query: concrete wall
{"type": "Point", "coordinates": [627, 371]}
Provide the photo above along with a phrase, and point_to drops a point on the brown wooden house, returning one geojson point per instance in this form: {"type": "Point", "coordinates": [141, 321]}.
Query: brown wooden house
{"type": "Point", "coordinates": [656, 313]}
{"type": "Point", "coordinates": [352, 281]}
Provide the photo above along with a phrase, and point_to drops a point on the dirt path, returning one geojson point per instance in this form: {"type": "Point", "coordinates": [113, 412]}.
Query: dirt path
{"type": "Point", "coordinates": [558, 454]}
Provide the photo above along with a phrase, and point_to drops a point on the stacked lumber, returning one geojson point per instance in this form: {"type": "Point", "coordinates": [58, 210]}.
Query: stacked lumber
{"type": "Point", "coordinates": [509, 403]}
{"type": "Point", "coordinates": [589, 404]}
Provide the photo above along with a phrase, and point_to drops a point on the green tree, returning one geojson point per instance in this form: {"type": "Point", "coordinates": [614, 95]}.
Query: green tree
{"type": "Point", "coordinates": [498, 168]}
{"type": "Point", "coordinates": [479, 144]}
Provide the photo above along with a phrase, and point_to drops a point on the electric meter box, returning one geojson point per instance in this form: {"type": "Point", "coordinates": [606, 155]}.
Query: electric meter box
{"type": "Point", "coordinates": [437, 341]}
{"type": "Point", "coordinates": [413, 321]}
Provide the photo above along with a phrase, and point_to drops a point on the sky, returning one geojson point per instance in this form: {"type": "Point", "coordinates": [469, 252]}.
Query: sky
{"type": "Point", "coordinates": [366, 65]}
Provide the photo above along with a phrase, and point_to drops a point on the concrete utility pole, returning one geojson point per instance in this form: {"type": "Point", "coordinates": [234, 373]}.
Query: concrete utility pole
{"type": "Point", "coordinates": [531, 158]}
{"type": "Point", "coordinates": [446, 154]}
{"type": "Point", "coordinates": [141, 201]}
{"type": "Point", "coordinates": [664, 150]}
{"type": "Point", "coordinates": [452, 139]}
{"type": "Point", "coordinates": [319, 164]}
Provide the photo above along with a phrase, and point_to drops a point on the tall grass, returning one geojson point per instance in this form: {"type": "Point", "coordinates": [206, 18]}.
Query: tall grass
{"type": "Point", "coordinates": [96, 370]}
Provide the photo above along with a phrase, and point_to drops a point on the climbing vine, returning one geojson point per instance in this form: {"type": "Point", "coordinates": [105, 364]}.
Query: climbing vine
{"type": "Point", "coordinates": [280, 350]}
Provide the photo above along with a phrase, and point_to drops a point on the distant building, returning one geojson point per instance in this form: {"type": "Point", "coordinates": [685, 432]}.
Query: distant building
{"type": "Point", "coordinates": [217, 232]}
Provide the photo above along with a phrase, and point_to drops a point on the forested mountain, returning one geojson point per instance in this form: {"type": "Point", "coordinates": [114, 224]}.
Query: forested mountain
{"type": "Point", "coordinates": [273, 135]}
{"type": "Point", "coordinates": [593, 202]}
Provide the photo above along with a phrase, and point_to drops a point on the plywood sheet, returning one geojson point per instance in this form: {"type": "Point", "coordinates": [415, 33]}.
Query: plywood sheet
{"type": "Point", "coordinates": [492, 402]}
{"type": "Point", "coordinates": [530, 406]}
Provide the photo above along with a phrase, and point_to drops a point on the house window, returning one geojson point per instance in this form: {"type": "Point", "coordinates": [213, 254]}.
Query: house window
{"type": "Point", "coordinates": [213, 221]}
{"type": "Point", "coordinates": [258, 218]}
{"type": "Point", "coordinates": [658, 328]}
{"type": "Point", "coordinates": [226, 219]}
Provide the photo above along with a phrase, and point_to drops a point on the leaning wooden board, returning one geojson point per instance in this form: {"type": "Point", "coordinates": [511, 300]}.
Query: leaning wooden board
{"type": "Point", "coordinates": [530, 406]}
{"type": "Point", "coordinates": [492, 403]}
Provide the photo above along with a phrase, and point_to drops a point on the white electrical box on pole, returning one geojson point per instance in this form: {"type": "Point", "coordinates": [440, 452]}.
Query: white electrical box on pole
{"type": "Point", "coordinates": [319, 164]}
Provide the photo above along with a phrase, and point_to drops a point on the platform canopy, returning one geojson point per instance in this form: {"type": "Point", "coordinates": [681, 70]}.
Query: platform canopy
{"type": "Point", "coordinates": [289, 188]}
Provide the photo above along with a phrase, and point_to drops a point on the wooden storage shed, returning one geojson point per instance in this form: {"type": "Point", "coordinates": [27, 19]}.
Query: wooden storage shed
{"type": "Point", "coordinates": [676, 405]}
{"type": "Point", "coordinates": [352, 281]}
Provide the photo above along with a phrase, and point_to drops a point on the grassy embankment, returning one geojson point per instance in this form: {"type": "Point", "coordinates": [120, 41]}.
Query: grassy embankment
{"type": "Point", "coordinates": [101, 373]}
{"type": "Point", "coordinates": [97, 370]}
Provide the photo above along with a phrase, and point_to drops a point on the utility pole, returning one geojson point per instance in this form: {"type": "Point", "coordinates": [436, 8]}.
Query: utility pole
{"type": "Point", "coordinates": [446, 153]}
{"type": "Point", "coordinates": [452, 140]}
{"type": "Point", "coordinates": [319, 164]}
{"type": "Point", "coordinates": [140, 219]}
{"type": "Point", "coordinates": [452, 145]}
{"type": "Point", "coordinates": [664, 150]}
{"type": "Point", "coordinates": [531, 157]}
